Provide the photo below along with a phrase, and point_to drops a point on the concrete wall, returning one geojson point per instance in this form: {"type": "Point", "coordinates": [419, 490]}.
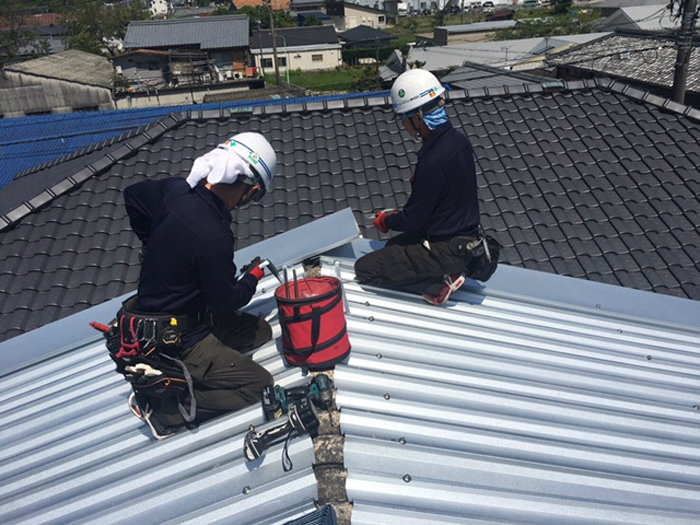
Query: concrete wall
{"type": "Point", "coordinates": [177, 97]}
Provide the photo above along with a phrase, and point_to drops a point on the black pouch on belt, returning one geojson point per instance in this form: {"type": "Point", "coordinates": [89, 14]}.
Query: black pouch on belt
{"type": "Point", "coordinates": [485, 254]}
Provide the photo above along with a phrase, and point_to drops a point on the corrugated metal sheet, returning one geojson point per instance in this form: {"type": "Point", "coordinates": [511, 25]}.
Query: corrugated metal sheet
{"type": "Point", "coordinates": [218, 32]}
{"type": "Point", "coordinates": [573, 402]}
{"type": "Point", "coordinates": [71, 452]}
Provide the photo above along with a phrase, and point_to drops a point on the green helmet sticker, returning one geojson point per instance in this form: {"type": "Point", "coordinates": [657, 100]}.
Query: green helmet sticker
{"type": "Point", "coordinates": [402, 93]}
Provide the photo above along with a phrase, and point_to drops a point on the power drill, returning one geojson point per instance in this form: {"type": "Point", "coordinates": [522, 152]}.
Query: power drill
{"type": "Point", "coordinates": [277, 400]}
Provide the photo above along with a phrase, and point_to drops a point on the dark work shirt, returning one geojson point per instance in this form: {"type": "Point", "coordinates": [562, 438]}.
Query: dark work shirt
{"type": "Point", "coordinates": [188, 264]}
{"type": "Point", "coordinates": [443, 199]}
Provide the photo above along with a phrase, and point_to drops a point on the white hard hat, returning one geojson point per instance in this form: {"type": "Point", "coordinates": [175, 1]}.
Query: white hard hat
{"type": "Point", "coordinates": [413, 89]}
{"type": "Point", "coordinates": [257, 152]}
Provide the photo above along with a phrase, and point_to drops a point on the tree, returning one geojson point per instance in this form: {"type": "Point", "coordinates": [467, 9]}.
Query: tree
{"type": "Point", "coordinates": [311, 20]}
{"type": "Point", "coordinates": [259, 16]}
{"type": "Point", "coordinates": [18, 35]}
{"type": "Point", "coordinates": [561, 7]}
{"type": "Point", "coordinates": [96, 28]}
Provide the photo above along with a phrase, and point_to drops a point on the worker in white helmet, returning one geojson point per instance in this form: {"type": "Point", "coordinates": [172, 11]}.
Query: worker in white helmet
{"type": "Point", "coordinates": [442, 212]}
{"type": "Point", "coordinates": [188, 278]}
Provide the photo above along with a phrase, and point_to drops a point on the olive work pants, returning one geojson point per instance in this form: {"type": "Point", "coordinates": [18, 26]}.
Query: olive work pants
{"type": "Point", "coordinates": [224, 378]}
{"type": "Point", "coordinates": [406, 264]}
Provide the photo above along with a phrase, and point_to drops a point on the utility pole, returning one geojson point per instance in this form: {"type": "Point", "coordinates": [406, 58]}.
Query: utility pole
{"type": "Point", "coordinates": [685, 46]}
{"type": "Point", "coordinates": [274, 42]}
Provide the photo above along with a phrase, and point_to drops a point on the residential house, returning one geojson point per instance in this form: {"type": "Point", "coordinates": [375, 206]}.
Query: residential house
{"type": "Point", "coordinates": [562, 390]}
{"type": "Point", "coordinates": [307, 5]}
{"type": "Point", "coordinates": [476, 32]}
{"type": "Point", "coordinates": [142, 69]}
{"type": "Point", "coordinates": [44, 31]}
{"type": "Point", "coordinates": [348, 15]}
{"type": "Point", "coordinates": [647, 62]}
{"type": "Point", "coordinates": [310, 48]}
{"type": "Point", "coordinates": [64, 82]}
{"type": "Point", "coordinates": [201, 50]}
{"type": "Point", "coordinates": [366, 37]}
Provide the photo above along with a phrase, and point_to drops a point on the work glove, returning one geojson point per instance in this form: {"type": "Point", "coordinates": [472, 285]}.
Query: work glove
{"type": "Point", "coordinates": [380, 220]}
{"type": "Point", "coordinates": [253, 268]}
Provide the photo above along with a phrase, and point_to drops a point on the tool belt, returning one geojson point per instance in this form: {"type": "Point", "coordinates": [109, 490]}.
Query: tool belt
{"type": "Point", "coordinates": [145, 348]}
{"type": "Point", "coordinates": [481, 253]}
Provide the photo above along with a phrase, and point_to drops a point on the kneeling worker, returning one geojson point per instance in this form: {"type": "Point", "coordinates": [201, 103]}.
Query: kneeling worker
{"type": "Point", "coordinates": [443, 205]}
{"type": "Point", "coordinates": [188, 272]}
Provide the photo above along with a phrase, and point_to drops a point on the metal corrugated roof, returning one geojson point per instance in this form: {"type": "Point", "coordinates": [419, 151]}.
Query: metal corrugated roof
{"type": "Point", "coordinates": [217, 32]}
{"type": "Point", "coordinates": [534, 399]}
{"type": "Point", "coordinates": [71, 452]}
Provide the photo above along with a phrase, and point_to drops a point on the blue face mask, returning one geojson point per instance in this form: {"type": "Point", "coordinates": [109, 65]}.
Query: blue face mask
{"type": "Point", "coordinates": [435, 118]}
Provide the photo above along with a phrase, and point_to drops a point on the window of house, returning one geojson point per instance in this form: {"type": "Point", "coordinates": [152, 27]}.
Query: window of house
{"type": "Point", "coordinates": [317, 58]}
{"type": "Point", "coordinates": [282, 61]}
{"type": "Point", "coordinates": [267, 62]}
{"type": "Point", "coordinates": [381, 19]}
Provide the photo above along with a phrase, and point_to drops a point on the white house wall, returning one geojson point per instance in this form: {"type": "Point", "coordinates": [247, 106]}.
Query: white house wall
{"type": "Point", "coordinates": [303, 59]}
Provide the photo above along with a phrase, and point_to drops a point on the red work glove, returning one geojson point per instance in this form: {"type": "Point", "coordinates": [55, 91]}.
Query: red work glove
{"type": "Point", "coordinates": [253, 268]}
{"type": "Point", "coordinates": [380, 221]}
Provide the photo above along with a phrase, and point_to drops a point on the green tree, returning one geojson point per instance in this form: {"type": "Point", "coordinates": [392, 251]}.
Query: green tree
{"type": "Point", "coordinates": [311, 20]}
{"type": "Point", "coordinates": [561, 7]}
{"type": "Point", "coordinates": [259, 16]}
{"type": "Point", "coordinates": [439, 18]}
{"type": "Point", "coordinates": [18, 34]}
{"type": "Point", "coordinates": [96, 28]}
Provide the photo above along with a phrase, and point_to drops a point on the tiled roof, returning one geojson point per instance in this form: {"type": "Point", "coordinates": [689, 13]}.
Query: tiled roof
{"type": "Point", "coordinates": [363, 33]}
{"type": "Point", "coordinates": [642, 59]}
{"type": "Point", "coordinates": [295, 37]}
{"type": "Point", "coordinates": [216, 32]}
{"type": "Point", "coordinates": [592, 180]}
{"type": "Point", "coordinates": [72, 65]}
{"type": "Point", "coordinates": [648, 18]}
{"type": "Point", "coordinates": [478, 76]}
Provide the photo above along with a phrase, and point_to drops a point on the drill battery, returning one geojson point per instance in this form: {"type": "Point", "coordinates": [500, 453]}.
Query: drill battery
{"type": "Point", "coordinates": [276, 400]}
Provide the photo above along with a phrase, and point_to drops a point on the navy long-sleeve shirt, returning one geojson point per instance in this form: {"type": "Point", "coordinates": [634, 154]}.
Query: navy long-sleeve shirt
{"type": "Point", "coordinates": [443, 199]}
{"type": "Point", "coordinates": [188, 264]}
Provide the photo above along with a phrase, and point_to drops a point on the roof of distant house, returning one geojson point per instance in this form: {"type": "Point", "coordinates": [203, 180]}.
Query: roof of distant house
{"type": "Point", "coordinates": [217, 32]}
{"type": "Point", "coordinates": [363, 33]}
{"type": "Point", "coordinates": [71, 65]}
{"type": "Point", "coordinates": [295, 37]}
{"type": "Point", "coordinates": [496, 54]}
{"type": "Point", "coordinates": [648, 60]}
{"type": "Point", "coordinates": [478, 76]}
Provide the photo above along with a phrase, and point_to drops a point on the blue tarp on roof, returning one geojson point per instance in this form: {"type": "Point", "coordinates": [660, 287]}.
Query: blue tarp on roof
{"type": "Point", "coordinates": [27, 142]}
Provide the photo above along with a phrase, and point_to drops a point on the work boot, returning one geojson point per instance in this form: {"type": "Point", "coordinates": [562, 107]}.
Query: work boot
{"type": "Point", "coordinates": [451, 284]}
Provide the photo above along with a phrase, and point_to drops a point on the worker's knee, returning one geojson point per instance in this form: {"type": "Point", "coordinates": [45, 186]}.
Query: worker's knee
{"type": "Point", "coordinates": [365, 269]}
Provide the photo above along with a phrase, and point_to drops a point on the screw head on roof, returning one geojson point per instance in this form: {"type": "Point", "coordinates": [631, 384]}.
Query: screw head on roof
{"type": "Point", "coordinates": [246, 489]}
{"type": "Point", "coordinates": [402, 440]}
{"type": "Point", "coordinates": [407, 478]}
{"type": "Point", "coordinates": [648, 358]}
{"type": "Point", "coordinates": [370, 318]}
{"type": "Point", "coordinates": [367, 303]}
{"type": "Point", "coordinates": [696, 407]}
{"type": "Point", "coordinates": [387, 396]}
{"type": "Point", "coordinates": [597, 306]}
{"type": "Point", "coordinates": [379, 355]}
{"type": "Point", "coordinates": [262, 290]}
{"type": "Point", "coordinates": [619, 330]}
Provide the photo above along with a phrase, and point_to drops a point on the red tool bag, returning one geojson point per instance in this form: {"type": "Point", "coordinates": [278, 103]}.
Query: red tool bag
{"type": "Point", "coordinates": [314, 331]}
